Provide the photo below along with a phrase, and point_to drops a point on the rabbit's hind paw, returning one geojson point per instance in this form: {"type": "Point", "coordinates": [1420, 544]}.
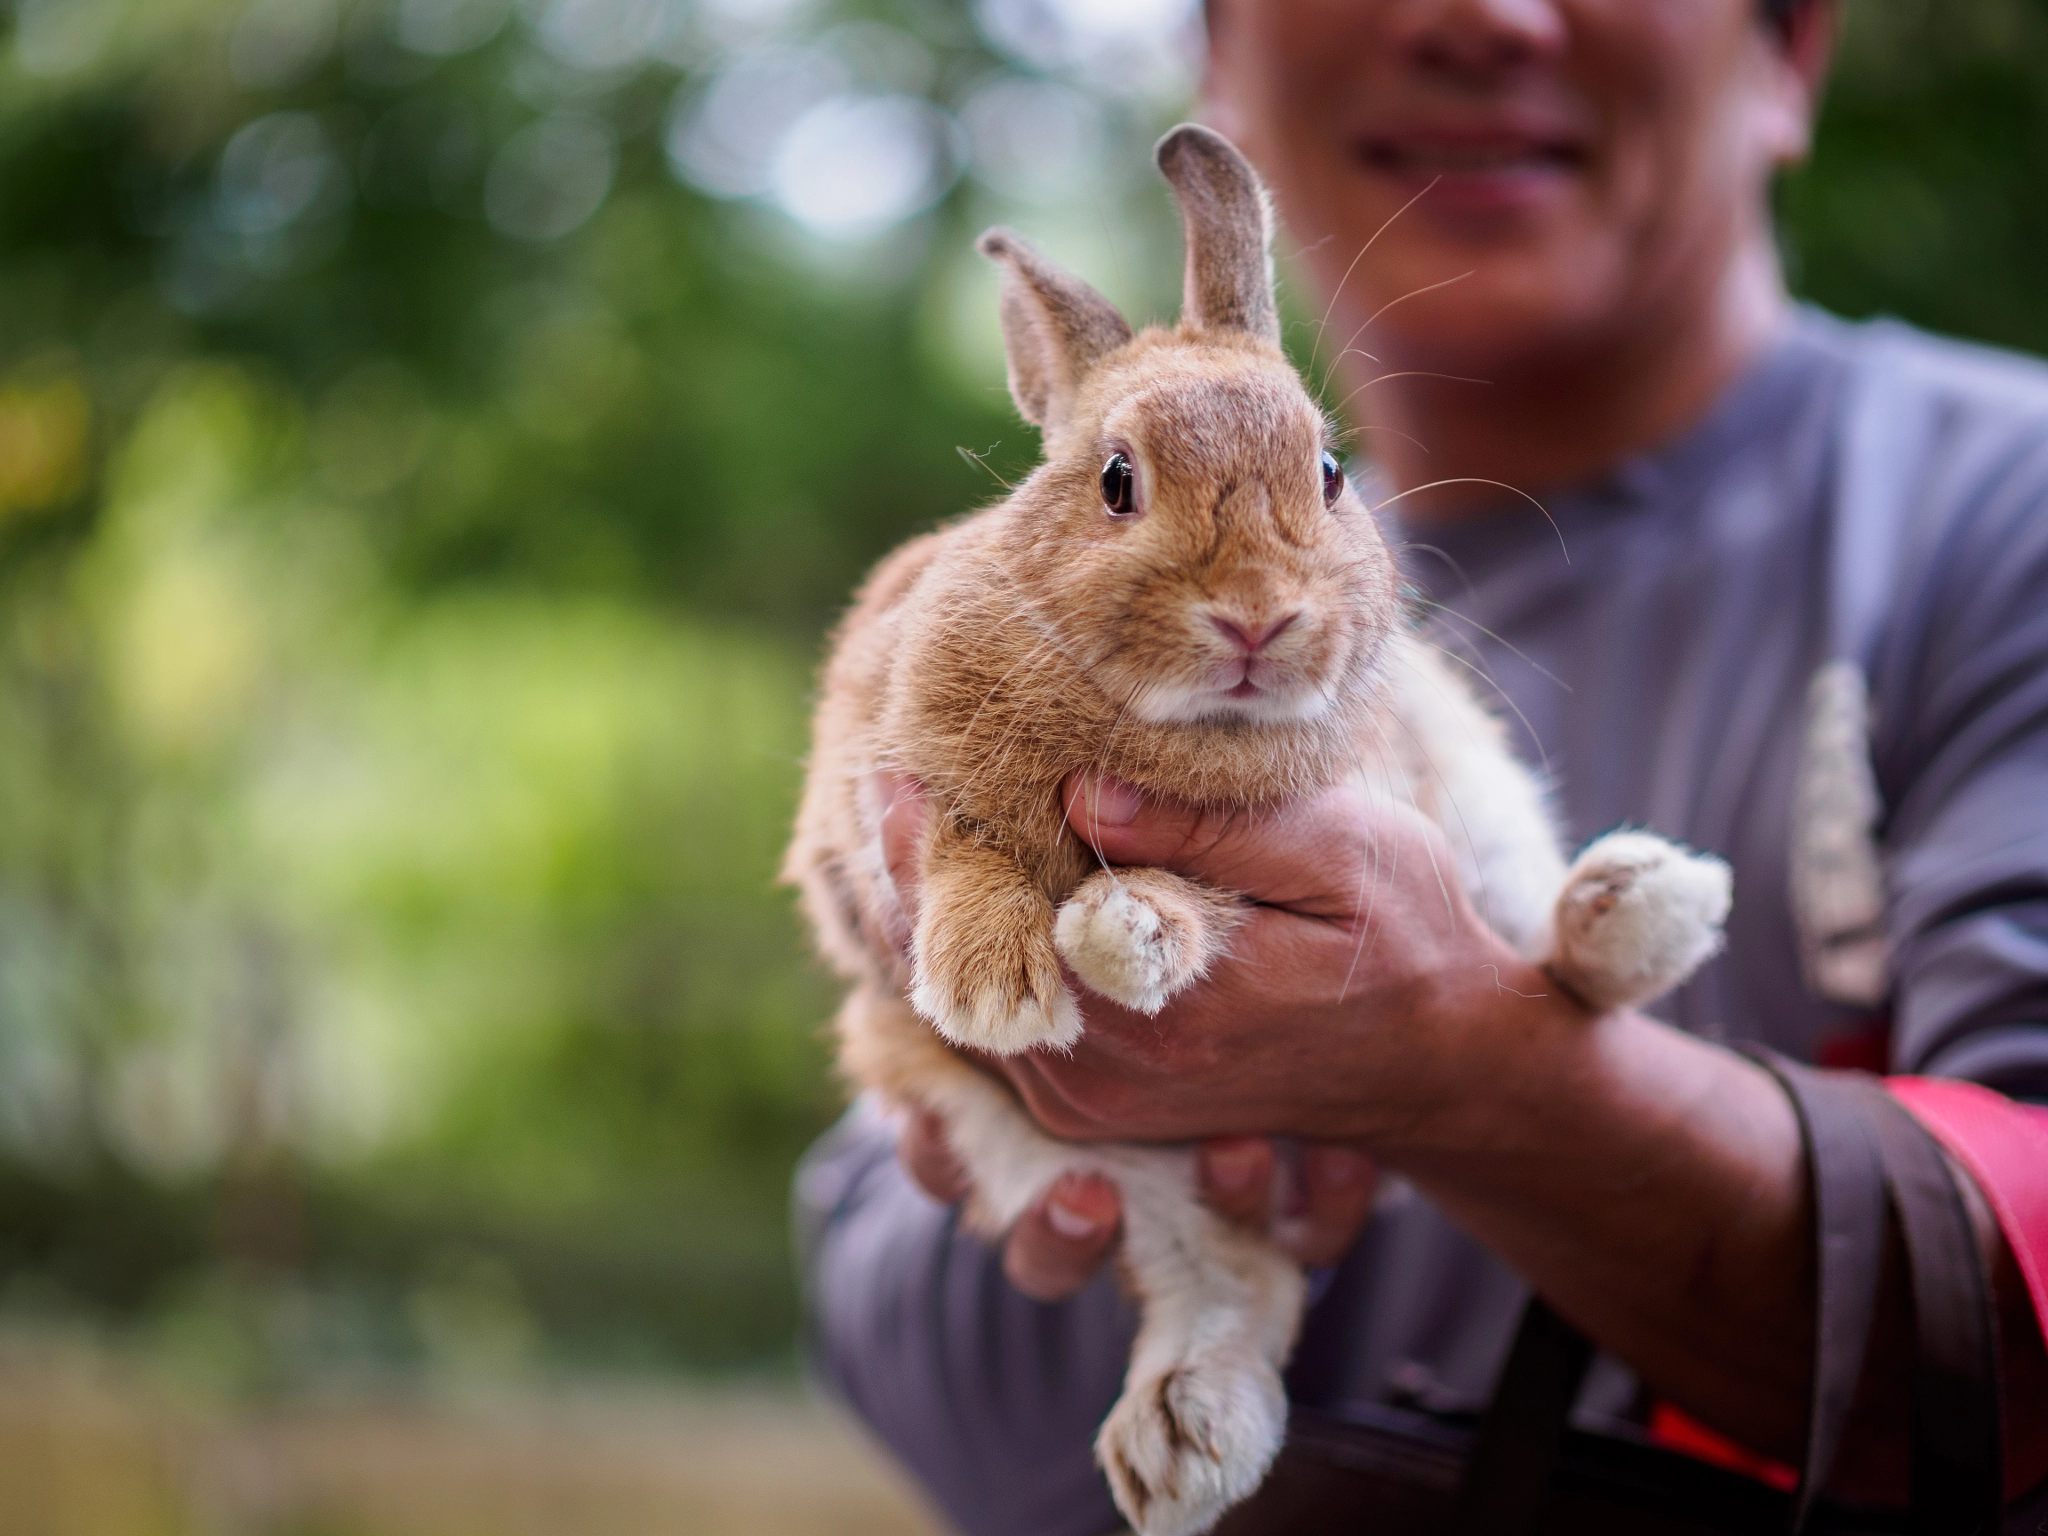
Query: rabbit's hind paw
{"type": "Point", "coordinates": [1182, 1447]}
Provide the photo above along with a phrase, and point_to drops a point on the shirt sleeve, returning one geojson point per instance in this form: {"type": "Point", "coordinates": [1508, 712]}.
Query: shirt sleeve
{"type": "Point", "coordinates": [1962, 755]}
{"type": "Point", "coordinates": [990, 1399]}
{"type": "Point", "coordinates": [1963, 727]}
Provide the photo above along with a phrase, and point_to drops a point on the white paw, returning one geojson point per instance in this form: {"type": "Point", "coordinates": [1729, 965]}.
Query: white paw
{"type": "Point", "coordinates": [997, 1022]}
{"type": "Point", "coordinates": [1118, 944]}
{"type": "Point", "coordinates": [1637, 916]}
{"type": "Point", "coordinates": [1180, 1448]}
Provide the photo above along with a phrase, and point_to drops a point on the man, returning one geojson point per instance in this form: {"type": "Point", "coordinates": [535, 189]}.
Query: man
{"type": "Point", "coordinates": [1566, 200]}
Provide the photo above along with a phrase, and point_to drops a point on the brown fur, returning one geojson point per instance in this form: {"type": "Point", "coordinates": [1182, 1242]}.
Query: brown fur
{"type": "Point", "coordinates": [1048, 634]}
{"type": "Point", "coordinates": [991, 659]}
{"type": "Point", "coordinates": [1044, 635]}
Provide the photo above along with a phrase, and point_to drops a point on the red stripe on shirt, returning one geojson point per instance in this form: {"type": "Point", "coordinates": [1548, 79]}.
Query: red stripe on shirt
{"type": "Point", "coordinates": [2005, 1147]}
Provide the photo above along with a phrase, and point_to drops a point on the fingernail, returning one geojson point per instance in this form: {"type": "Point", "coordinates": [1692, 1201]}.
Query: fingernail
{"type": "Point", "coordinates": [1111, 802]}
{"type": "Point", "coordinates": [1070, 1223]}
{"type": "Point", "coordinates": [1081, 1206]}
{"type": "Point", "coordinates": [1340, 1167]}
{"type": "Point", "coordinates": [1236, 1167]}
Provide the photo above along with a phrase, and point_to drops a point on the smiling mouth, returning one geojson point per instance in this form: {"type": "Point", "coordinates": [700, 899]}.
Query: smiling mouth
{"type": "Point", "coordinates": [1424, 157]}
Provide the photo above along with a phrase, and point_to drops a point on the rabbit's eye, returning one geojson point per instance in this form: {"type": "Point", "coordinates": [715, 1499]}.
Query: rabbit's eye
{"type": "Point", "coordinates": [1119, 486]}
{"type": "Point", "coordinates": [1333, 479]}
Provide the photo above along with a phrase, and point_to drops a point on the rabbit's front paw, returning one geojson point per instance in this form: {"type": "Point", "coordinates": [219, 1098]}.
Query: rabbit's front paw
{"type": "Point", "coordinates": [1183, 1446]}
{"type": "Point", "coordinates": [1139, 936]}
{"type": "Point", "coordinates": [1637, 916]}
{"type": "Point", "coordinates": [1124, 947]}
{"type": "Point", "coordinates": [994, 991]}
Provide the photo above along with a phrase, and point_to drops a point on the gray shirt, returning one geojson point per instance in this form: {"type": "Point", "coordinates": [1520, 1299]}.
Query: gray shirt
{"type": "Point", "coordinates": [1654, 651]}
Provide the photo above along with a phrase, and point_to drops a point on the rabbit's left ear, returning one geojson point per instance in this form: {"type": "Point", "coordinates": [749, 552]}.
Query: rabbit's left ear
{"type": "Point", "coordinates": [1055, 328]}
{"type": "Point", "coordinates": [1229, 230]}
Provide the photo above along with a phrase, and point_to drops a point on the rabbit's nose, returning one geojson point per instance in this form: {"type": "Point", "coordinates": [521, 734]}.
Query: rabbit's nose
{"type": "Point", "coordinates": [1249, 636]}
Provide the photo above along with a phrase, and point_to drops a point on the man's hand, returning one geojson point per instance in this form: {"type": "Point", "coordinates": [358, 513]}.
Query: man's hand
{"type": "Point", "coordinates": [1314, 1213]}
{"type": "Point", "coordinates": [1346, 1009]}
{"type": "Point", "coordinates": [1649, 1184]}
{"type": "Point", "coordinates": [1057, 1246]}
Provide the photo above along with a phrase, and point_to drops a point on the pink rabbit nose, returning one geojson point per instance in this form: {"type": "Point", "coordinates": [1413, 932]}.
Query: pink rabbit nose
{"type": "Point", "coordinates": [1251, 638]}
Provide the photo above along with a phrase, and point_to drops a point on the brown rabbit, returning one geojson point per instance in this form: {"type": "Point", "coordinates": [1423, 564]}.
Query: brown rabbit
{"type": "Point", "coordinates": [1186, 595]}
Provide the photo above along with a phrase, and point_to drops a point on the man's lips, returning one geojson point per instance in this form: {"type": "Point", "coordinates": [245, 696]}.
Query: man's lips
{"type": "Point", "coordinates": [1475, 168]}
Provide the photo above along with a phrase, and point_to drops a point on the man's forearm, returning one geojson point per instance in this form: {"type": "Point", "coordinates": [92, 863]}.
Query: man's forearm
{"type": "Point", "coordinates": [1650, 1184]}
{"type": "Point", "coordinates": [1653, 1188]}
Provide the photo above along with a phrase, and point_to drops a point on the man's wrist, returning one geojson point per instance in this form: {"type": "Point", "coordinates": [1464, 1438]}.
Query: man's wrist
{"type": "Point", "coordinates": [1496, 1032]}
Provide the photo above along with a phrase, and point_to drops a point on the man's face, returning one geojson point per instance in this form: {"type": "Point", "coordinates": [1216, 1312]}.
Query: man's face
{"type": "Point", "coordinates": [1575, 167]}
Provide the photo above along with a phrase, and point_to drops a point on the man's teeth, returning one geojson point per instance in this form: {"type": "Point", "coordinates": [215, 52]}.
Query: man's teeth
{"type": "Point", "coordinates": [1473, 160]}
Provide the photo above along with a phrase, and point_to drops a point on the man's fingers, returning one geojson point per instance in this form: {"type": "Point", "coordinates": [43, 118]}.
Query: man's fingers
{"type": "Point", "coordinates": [1337, 1184]}
{"type": "Point", "coordinates": [1311, 855]}
{"type": "Point", "coordinates": [1237, 1179]}
{"type": "Point", "coordinates": [904, 815]}
{"type": "Point", "coordinates": [922, 1148]}
{"type": "Point", "coordinates": [1330, 1194]}
{"type": "Point", "coordinates": [1058, 1245]}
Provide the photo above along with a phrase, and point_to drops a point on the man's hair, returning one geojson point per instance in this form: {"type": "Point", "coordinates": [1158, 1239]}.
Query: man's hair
{"type": "Point", "coordinates": [1778, 13]}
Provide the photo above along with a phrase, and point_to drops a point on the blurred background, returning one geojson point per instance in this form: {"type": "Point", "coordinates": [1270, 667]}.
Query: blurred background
{"type": "Point", "coordinates": [434, 437]}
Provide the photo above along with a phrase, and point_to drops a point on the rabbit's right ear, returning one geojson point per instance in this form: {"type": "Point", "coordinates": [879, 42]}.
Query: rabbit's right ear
{"type": "Point", "coordinates": [1229, 224]}
{"type": "Point", "coordinates": [1055, 328]}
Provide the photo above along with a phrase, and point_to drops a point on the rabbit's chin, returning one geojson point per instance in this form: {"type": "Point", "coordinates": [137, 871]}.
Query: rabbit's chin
{"type": "Point", "coordinates": [1184, 704]}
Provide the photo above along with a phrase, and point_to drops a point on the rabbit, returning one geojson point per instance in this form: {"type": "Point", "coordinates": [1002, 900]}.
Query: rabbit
{"type": "Point", "coordinates": [1189, 595]}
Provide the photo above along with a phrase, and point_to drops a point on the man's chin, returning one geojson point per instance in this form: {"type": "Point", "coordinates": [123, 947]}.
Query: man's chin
{"type": "Point", "coordinates": [1515, 309]}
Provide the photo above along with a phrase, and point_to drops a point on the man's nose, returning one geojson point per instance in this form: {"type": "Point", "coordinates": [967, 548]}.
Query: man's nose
{"type": "Point", "coordinates": [1480, 37]}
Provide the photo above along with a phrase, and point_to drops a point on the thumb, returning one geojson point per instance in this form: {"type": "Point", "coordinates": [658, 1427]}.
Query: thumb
{"type": "Point", "coordinates": [1307, 855]}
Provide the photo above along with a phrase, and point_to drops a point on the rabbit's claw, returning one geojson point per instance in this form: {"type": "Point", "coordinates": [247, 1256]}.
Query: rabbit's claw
{"type": "Point", "coordinates": [1637, 916]}
{"type": "Point", "coordinates": [1183, 1446]}
{"type": "Point", "coordinates": [1004, 1004]}
{"type": "Point", "coordinates": [1124, 948]}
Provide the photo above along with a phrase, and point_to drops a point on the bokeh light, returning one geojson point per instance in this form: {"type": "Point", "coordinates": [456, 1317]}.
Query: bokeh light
{"type": "Point", "coordinates": [855, 165]}
{"type": "Point", "coordinates": [550, 176]}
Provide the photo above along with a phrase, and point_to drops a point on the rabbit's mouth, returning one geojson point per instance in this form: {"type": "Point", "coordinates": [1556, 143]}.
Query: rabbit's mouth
{"type": "Point", "coordinates": [1248, 677]}
{"type": "Point", "coordinates": [1251, 691]}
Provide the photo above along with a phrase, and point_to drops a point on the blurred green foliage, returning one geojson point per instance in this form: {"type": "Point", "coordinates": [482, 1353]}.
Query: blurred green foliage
{"type": "Point", "coordinates": [1923, 198]}
{"type": "Point", "coordinates": [434, 436]}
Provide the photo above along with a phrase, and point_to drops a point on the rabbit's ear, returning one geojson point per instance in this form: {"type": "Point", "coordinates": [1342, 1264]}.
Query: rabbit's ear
{"type": "Point", "coordinates": [1229, 229]}
{"type": "Point", "coordinates": [1055, 328]}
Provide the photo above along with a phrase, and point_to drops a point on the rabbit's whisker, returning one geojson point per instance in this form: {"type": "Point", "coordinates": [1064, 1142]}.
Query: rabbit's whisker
{"type": "Point", "coordinates": [1367, 904]}
{"type": "Point", "coordinates": [980, 461]}
{"type": "Point", "coordinates": [1337, 292]}
{"type": "Point", "coordinates": [1500, 693]}
{"type": "Point", "coordinates": [1482, 480]}
{"type": "Point", "coordinates": [1412, 293]}
{"type": "Point", "coordinates": [1500, 640]}
{"type": "Point", "coordinates": [1407, 373]}
{"type": "Point", "coordinates": [1443, 784]}
{"type": "Point", "coordinates": [1374, 426]}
